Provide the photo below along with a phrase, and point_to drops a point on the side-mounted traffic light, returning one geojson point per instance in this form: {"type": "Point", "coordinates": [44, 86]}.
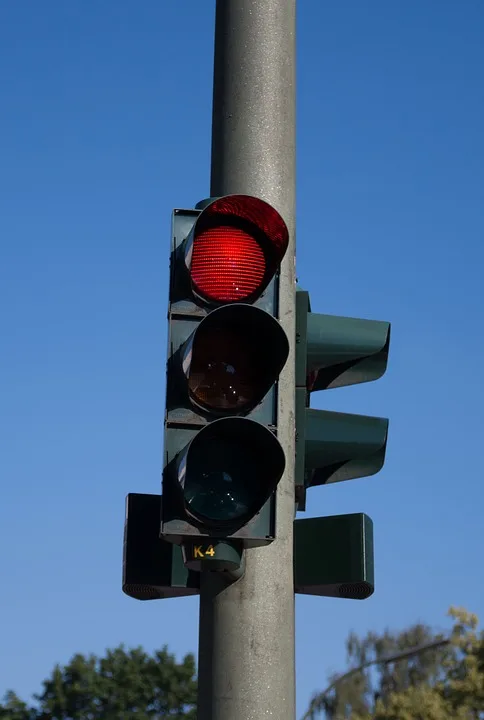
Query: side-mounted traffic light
{"type": "Point", "coordinates": [152, 569]}
{"type": "Point", "coordinates": [332, 352]}
{"type": "Point", "coordinates": [333, 556]}
{"type": "Point", "coordinates": [222, 460]}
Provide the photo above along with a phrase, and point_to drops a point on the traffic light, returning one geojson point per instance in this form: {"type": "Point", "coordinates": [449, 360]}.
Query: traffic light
{"type": "Point", "coordinates": [333, 556]}
{"type": "Point", "coordinates": [152, 569]}
{"type": "Point", "coordinates": [332, 352]}
{"type": "Point", "coordinates": [222, 460]}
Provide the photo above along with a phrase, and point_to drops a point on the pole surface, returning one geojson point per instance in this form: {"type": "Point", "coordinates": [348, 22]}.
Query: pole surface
{"type": "Point", "coordinates": [246, 640]}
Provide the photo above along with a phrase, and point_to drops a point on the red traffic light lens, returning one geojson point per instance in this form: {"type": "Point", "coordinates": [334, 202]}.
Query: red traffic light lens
{"type": "Point", "coordinates": [238, 244]}
{"type": "Point", "coordinates": [228, 264]}
{"type": "Point", "coordinates": [233, 358]}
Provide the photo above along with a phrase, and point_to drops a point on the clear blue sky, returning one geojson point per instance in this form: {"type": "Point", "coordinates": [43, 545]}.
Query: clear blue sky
{"type": "Point", "coordinates": [104, 128]}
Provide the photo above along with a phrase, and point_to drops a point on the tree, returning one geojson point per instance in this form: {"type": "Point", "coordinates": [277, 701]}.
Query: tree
{"type": "Point", "coordinates": [122, 685]}
{"type": "Point", "coordinates": [15, 709]}
{"type": "Point", "coordinates": [412, 675]}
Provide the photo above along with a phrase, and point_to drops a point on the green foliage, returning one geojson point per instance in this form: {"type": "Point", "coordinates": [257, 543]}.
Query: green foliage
{"type": "Point", "coordinates": [15, 709]}
{"type": "Point", "coordinates": [440, 682]}
{"type": "Point", "coordinates": [123, 685]}
{"type": "Point", "coordinates": [412, 675]}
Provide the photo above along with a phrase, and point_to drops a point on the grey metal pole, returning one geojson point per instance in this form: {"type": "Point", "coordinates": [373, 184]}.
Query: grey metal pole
{"type": "Point", "coordinates": [246, 641]}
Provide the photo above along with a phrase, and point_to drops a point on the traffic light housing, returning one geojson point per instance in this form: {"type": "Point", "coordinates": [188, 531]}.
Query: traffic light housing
{"type": "Point", "coordinates": [152, 569]}
{"type": "Point", "coordinates": [333, 351]}
{"type": "Point", "coordinates": [333, 556]}
{"type": "Point", "coordinates": [222, 460]}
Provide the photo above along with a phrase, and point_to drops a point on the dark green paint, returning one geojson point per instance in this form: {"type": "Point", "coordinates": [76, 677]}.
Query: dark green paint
{"type": "Point", "coordinates": [184, 421]}
{"type": "Point", "coordinates": [217, 484]}
{"type": "Point", "coordinates": [341, 350]}
{"type": "Point", "coordinates": [333, 556]}
{"type": "Point", "coordinates": [331, 352]}
{"type": "Point", "coordinates": [340, 446]}
{"type": "Point", "coordinates": [346, 351]}
{"type": "Point", "coordinates": [152, 569]}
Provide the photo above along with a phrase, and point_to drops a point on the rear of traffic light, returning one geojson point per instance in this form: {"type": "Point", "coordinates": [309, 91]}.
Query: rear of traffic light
{"type": "Point", "coordinates": [152, 569]}
{"type": "Point", "coordinates": [331, 352]}
{"type": "Point", "coordinates": [222, 459]}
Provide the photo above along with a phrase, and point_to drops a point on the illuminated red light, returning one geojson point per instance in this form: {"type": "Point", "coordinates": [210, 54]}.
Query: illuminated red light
{"type": "Point", "coordinates": [238, 244]}
{"type": "Point", "coordinates": [227, 264]}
